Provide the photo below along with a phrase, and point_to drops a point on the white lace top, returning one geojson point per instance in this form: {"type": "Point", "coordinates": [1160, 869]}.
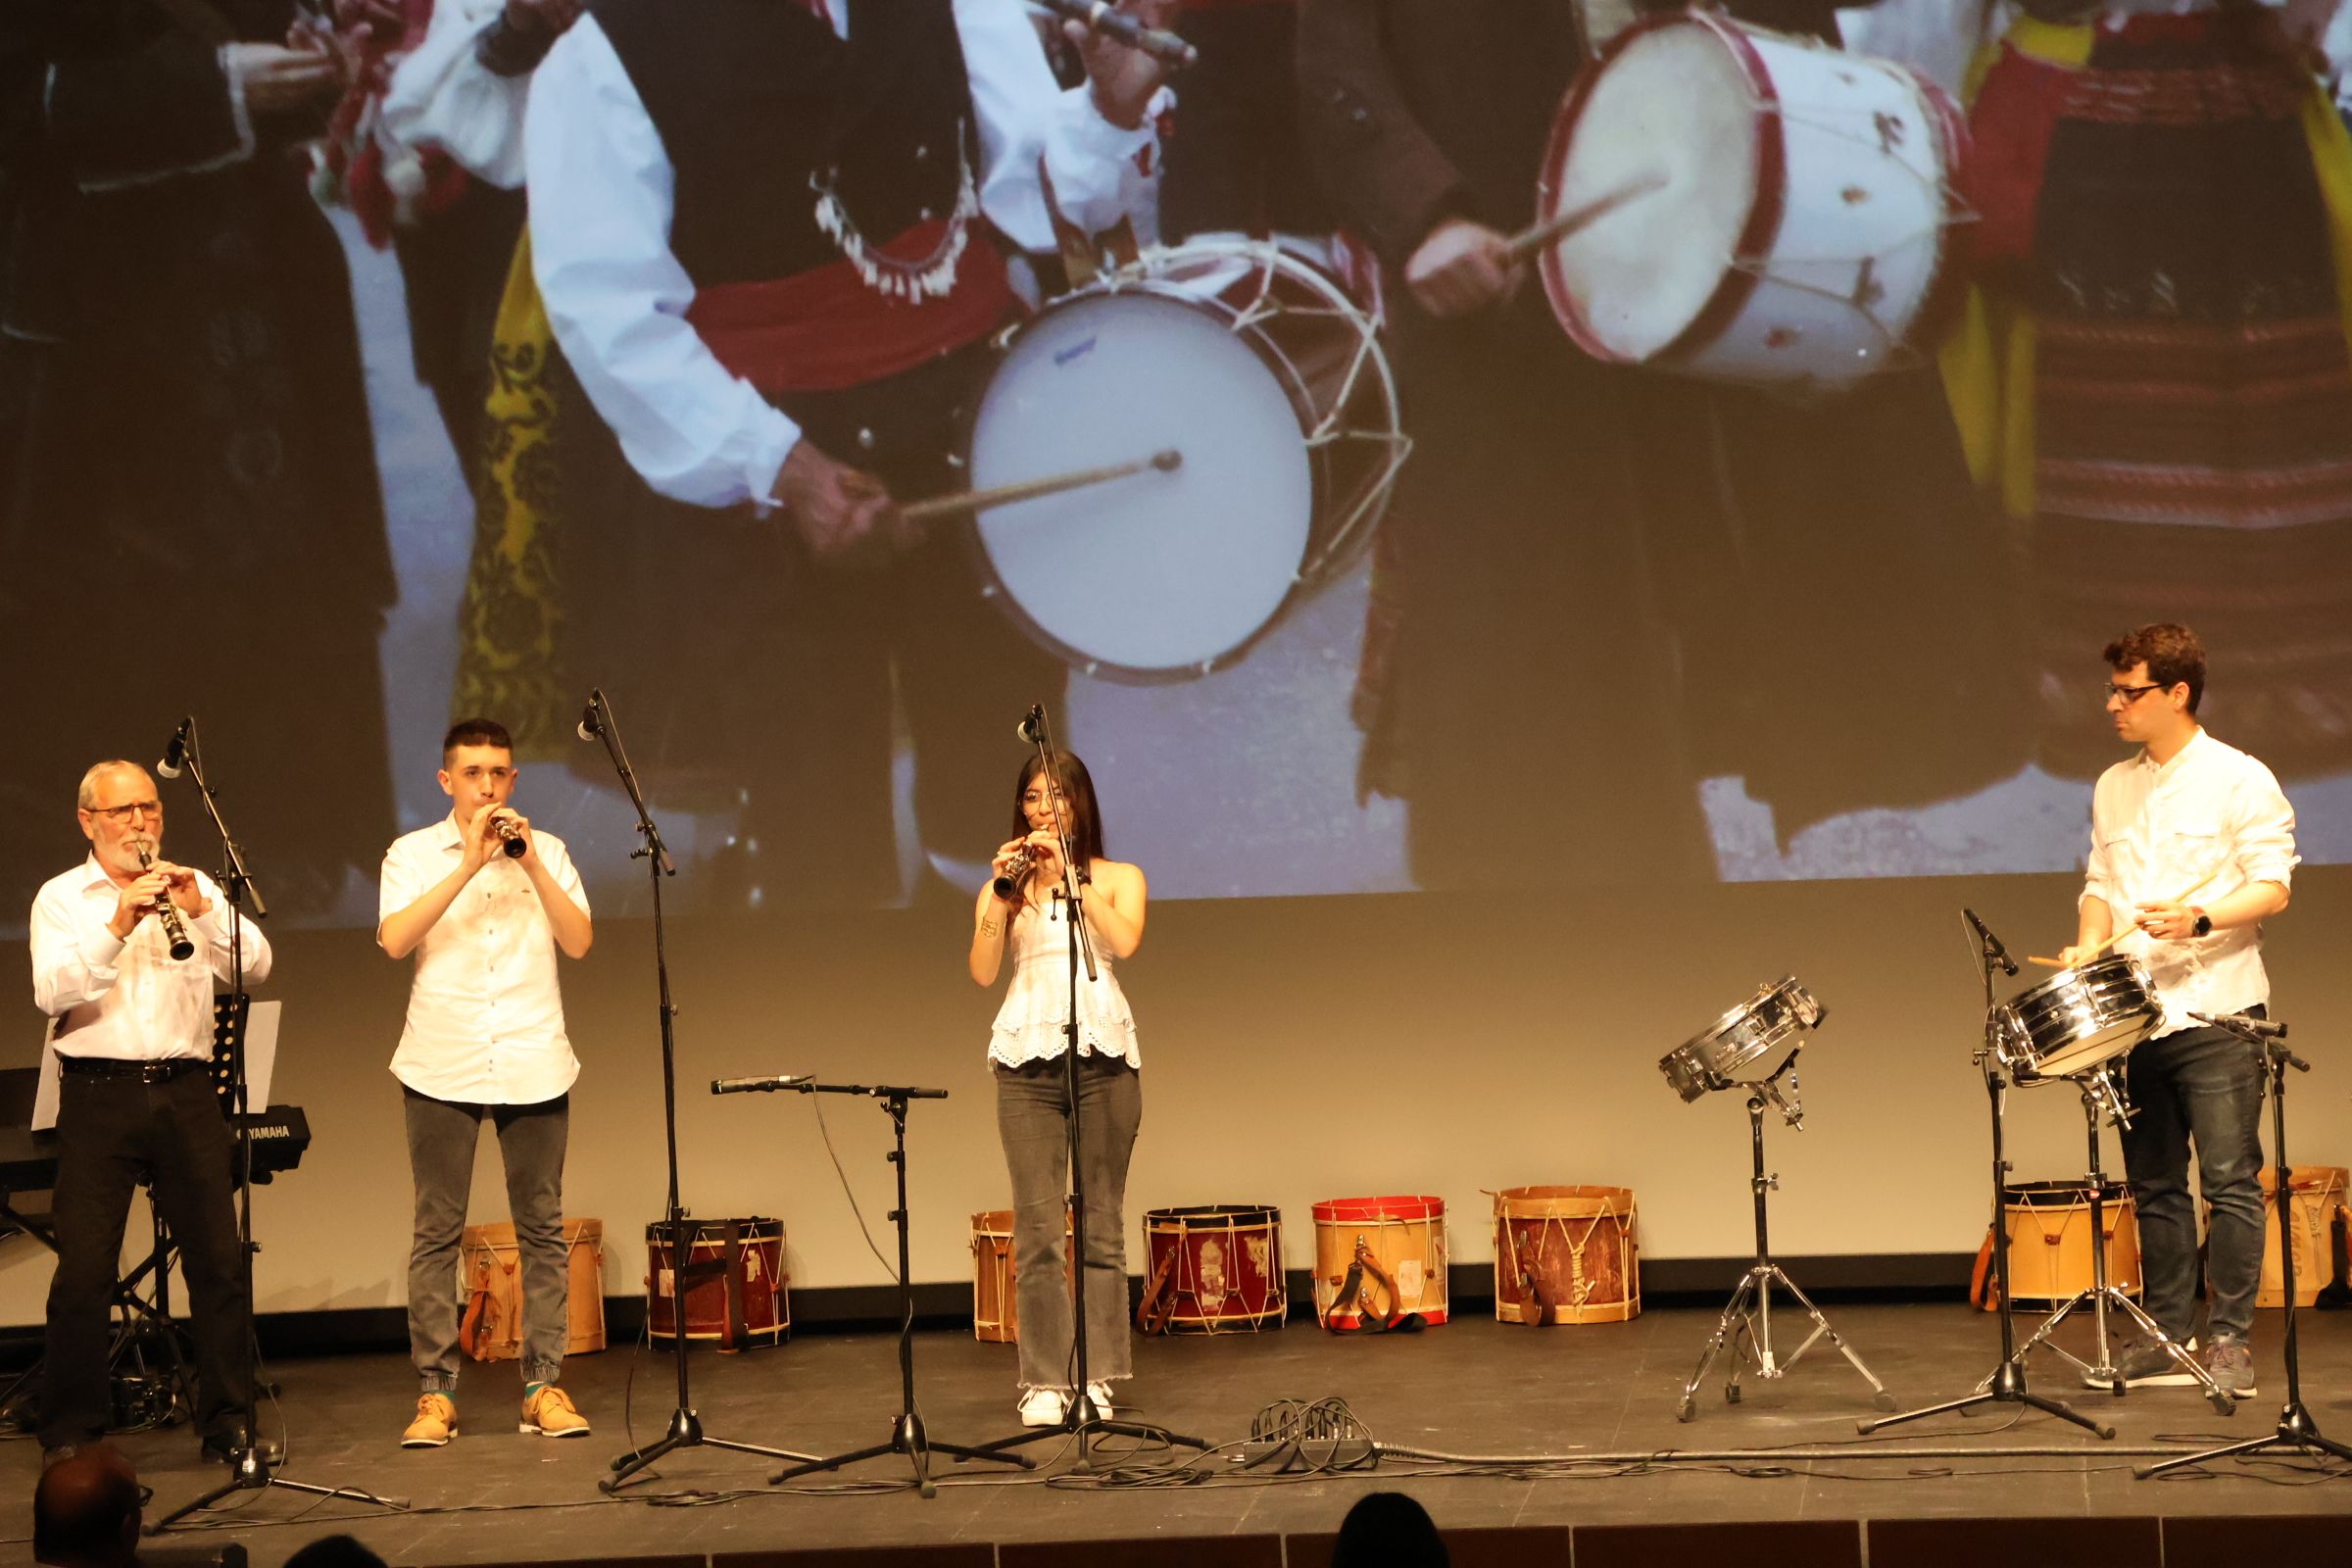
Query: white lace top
{"type": "Point", "coordinates": [1029, 1026]}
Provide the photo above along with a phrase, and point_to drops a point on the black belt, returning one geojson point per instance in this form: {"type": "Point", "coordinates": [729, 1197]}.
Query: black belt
{"type": "Point", "coordinates": [146, 1072]}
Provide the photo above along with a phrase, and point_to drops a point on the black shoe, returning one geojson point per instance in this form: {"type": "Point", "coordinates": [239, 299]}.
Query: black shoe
{"type": "Point", "coordinates": [2230, 1362]}
{"type": "Point", "coordinates": [2146, 1363]}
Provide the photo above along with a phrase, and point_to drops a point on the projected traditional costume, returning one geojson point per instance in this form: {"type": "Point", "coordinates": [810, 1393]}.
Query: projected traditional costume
{"type": "Point", "coordinates": [756, 221]}
{"type": "Point", "coordinates": [184, 430]}
{"type": "Point", "coordinates": [2155, 377]}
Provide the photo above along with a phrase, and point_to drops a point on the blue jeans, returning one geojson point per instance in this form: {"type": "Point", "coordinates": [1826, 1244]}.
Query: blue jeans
{"type": "Point", "coordinates": [2201, 1086]}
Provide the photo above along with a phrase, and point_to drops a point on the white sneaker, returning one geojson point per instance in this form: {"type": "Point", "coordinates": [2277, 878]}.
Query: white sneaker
{"type": "Point", "coordinates": [1099, 1393]}
{"type": "Point", "coordinates": [1044, 1407]}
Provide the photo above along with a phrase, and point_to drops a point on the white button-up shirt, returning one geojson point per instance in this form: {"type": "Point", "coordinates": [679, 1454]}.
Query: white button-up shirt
{"type": "Point", "coordinates": [129, 1001]}
{"type": "Point", "coordinates": [2196, 830]}
{"type": "Point", "coordinates": [602, 199]}
{"type": "Point", "coordinates": [485, 1017]}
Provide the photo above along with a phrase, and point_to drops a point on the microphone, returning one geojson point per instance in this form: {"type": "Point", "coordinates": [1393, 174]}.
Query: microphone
{"type": "Point", "coordinates": [1032, 725]}
{"type": "Point", "coordinates": [175, 754]}
{"type": "Point", "coordinates": [1099, 17]}
{"type": "Point", "coordinates": [746, 1086]}
{"type": "Point", "coordinates": [592, 721]}
{"type": "Point", "coordinates": [1993, 944]}
{"type": "Point", "coordinates": [2238, 1023]}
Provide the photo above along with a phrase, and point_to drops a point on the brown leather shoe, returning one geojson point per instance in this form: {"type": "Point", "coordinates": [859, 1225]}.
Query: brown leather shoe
{"type": "Point", "coordinates": [549, 1413]}
{"type": "Point", "coordinates": [435, 1424]}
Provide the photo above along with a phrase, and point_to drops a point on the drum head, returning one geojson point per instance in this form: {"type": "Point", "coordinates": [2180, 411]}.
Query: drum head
{"type": "Point", "coordinates": [1160, 576]}
{"type": "Point", "coordinates": [1674, 105]}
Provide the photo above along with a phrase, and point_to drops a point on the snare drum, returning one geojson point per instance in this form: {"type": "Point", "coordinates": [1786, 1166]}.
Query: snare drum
{"type": "Point", "coordinates": [2074, 1020]}
{"type": "Point", "coordinates": [1797, 234]}
{"type": "Point", "coordinates": [1213, 1269]}
{"type": "Point", "coordinates": [2050, 1259]}
{"type": "Point", "coordinates": [1402, 1242]}
{"type": "Point", "coordinates": [1566, 1255]}
{"type": "Point", "coordinates": [1748, 1045]}
{"type": "Point", "coordinates": [746, 1302]}
{"type": "Point", "coordinates": [1270, 383]}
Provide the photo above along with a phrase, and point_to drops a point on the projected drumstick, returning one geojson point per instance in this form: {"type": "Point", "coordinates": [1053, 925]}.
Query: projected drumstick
{"type": "Point", "coordinates": [1052, 484]}
{"type": "Point", "coordinates": [1554, 229]}
{"type": "Point", "coordinates": [2060, 963]}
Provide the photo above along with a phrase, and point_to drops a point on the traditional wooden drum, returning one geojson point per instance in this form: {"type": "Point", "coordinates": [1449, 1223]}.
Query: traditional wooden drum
{"type": "Point", "coordinates": [1566, 1255]}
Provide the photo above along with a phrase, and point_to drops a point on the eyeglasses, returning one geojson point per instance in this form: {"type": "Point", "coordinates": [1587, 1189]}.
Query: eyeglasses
{"type": "Point", "coordinates": [123, 813]}
{"type": "Point", "coordinates": [2130, 694]}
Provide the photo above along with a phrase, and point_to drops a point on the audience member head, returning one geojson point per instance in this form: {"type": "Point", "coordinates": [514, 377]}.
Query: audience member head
{"type": "Point", "coordinates": [335, 1552]}
{"type": "Point", "coordinates": [1389, 1530]}
{"type": "Point", "coordinates": [85, 1511]}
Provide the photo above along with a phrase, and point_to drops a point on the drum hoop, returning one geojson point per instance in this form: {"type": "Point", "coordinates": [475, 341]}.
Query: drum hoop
{"type": "Point", "coordinates": [1745, 1010]}
{"type": "Point", "coordinates": [1323, 559]}
{"type": "Point", "coordinates": [1757, 234]}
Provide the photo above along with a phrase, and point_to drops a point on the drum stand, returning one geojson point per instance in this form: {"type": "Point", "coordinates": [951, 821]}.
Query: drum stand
{"type": "Point", "coordinates": [2098, 1092]}
{"type": "Point", "coordinates": [907, 1435]}
{"type": "Point", "coordinates": [2007, 1384]}
{"type": "Point", "coordinates": [1756, 1284]}
{"type": "Point", "coordinates": [2297, 1431]}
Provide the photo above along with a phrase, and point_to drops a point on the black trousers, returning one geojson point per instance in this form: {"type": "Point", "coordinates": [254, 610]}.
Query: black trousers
{"type": "Point", "coordinates": [110, 1132]}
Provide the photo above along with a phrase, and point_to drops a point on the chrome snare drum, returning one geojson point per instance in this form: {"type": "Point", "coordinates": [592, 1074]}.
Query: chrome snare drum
{"type": "Point", "coordinates": [2074, 1020]}
{"type": "Point", "coordinates": [1735, 1047]}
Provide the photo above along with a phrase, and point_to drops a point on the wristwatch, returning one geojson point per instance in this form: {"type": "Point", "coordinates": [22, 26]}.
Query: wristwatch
{"type": "Point", "coordinates": [2204, 926]}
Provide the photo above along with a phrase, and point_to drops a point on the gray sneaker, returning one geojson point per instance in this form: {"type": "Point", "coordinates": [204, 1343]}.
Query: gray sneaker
{"type": "Point", "coordinates": [2230, 1362]}
{"type": "Point", "coordinates": [2145, 1363]}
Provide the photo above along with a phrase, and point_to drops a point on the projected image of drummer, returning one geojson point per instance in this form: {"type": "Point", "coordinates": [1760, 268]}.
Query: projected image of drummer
{"type": "Point", "coordinates": [2191, 848]}
{"type": "Point", "coordinates": [788, 350]}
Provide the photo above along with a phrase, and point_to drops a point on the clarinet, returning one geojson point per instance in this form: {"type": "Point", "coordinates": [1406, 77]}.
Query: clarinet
{"type": "Point", "coordinates": [165, 910]}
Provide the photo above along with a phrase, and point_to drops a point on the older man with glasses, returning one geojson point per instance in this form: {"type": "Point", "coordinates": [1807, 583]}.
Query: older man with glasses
{"type": "Point", "coordinates": [132, 1029]}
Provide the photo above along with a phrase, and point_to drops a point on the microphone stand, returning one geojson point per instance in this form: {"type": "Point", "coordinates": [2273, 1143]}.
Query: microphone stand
{"type": "Point", "coordinates": [1080, 1418]}
{"type": "Point", "coordinates": [249, 1465]}
{"type": "Point", "coordinates": [2297, 1431]}
{"type": "Point", "coordinates": [685, 1425]}
{"type": "Point", "coordinates": [2007, 1383]}
{"type": "Point", "coordinates": [907, 1434]}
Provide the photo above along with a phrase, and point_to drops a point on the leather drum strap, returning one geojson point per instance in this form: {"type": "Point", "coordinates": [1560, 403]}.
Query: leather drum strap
{"type": "Point", "coordinates": [1158, 1304]}
{"type": "Point", "coordinates": [733, 1336]}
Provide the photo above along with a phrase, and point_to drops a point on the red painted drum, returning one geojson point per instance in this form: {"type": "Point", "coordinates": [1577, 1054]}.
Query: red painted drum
{"type": "Point", "coordinates": [744, 1301]}
{"type": "Point", "coordinates": [1396, 1247]}
{"type": "Point", "coordinates": [1566, 1255]}
{"type": "Point", "coordinates": [1212, 1269]}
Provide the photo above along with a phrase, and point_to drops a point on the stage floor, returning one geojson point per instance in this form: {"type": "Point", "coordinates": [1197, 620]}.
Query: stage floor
{"type": "Point", "coordinates": [1471, 1387]}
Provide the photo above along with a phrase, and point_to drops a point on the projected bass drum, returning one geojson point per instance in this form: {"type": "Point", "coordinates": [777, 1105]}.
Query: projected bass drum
{"type": "Point", "coordinates": [1267, 381]}
{"type": "Point", "coordinates": [1790, 227]}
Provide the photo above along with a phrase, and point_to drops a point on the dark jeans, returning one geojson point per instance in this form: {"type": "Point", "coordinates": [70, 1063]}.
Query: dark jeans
{"type": "Point", "coordinates": [442, 1138]}
{"type": "Point", "coordinates": [2200, 1086]}
{"type": "Point", "coordinates": [1033, 1117]}
{"type": "Point", "coordinates": [111, 1131]}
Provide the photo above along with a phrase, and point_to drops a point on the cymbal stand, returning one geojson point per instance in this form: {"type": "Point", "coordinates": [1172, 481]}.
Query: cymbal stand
{"type": "Point", "coordinates": [2297, 1431]}
{"type": "Point", "coordinates": [1750, 1305]}
{"type": "Point", "coordinates": [2099, 1092]}
{"type": "Point", "coordinates": [2007, 1384]}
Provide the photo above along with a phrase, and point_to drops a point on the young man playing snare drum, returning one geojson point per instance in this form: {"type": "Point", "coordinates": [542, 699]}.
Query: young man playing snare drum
{"type": "Point", "coordinates": [484, 899]}
{"type": "Point", "coordinates": [2191, 844]}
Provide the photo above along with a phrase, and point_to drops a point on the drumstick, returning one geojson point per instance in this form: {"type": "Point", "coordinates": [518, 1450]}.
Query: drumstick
{"type": "Point", "coordinates": [2060, 963]}
{"type": "Point", "coordinates": [1054, 484]}
{"type": "Point", "coordinates": [1554, 229]}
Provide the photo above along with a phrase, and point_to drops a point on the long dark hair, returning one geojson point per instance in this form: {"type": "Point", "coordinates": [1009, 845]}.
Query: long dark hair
{"type": "Point", "coordinates": [1085, 824]}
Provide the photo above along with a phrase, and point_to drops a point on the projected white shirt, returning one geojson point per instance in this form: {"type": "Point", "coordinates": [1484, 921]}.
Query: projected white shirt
{"type": "Point", "coordinates": [2196, 830]}
{"type": "Point", "coordinates": [129, 1001]}
{"type": "Point", "coordinates": [602, 199]}
{"type": "Point", "coordinates": [485, 1016]}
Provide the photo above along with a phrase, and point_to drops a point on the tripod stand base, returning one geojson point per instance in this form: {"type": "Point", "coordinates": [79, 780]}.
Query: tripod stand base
{"type": "Point", "coordinates": [685, 1432]}
{"type": "Point", "coordinates": [2297, 1433]}
{"type": "Point", "coordinates": [249, 1471]}
{"type": "Point", "coordinates": [1755, 1286]}
{"type": "Point", "coordinates": [2006, 1386]}
{"type": "Point", "coordinates": [906, 1437]}
{"type": "Point", "coordinates": [2106, 1375]}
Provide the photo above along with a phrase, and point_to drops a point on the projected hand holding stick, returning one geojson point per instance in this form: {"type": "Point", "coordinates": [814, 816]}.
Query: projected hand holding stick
{"type": "Point", "coordinates": [1167, 461]}
{"type": "Point", "coordinates": [1551, 231]}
